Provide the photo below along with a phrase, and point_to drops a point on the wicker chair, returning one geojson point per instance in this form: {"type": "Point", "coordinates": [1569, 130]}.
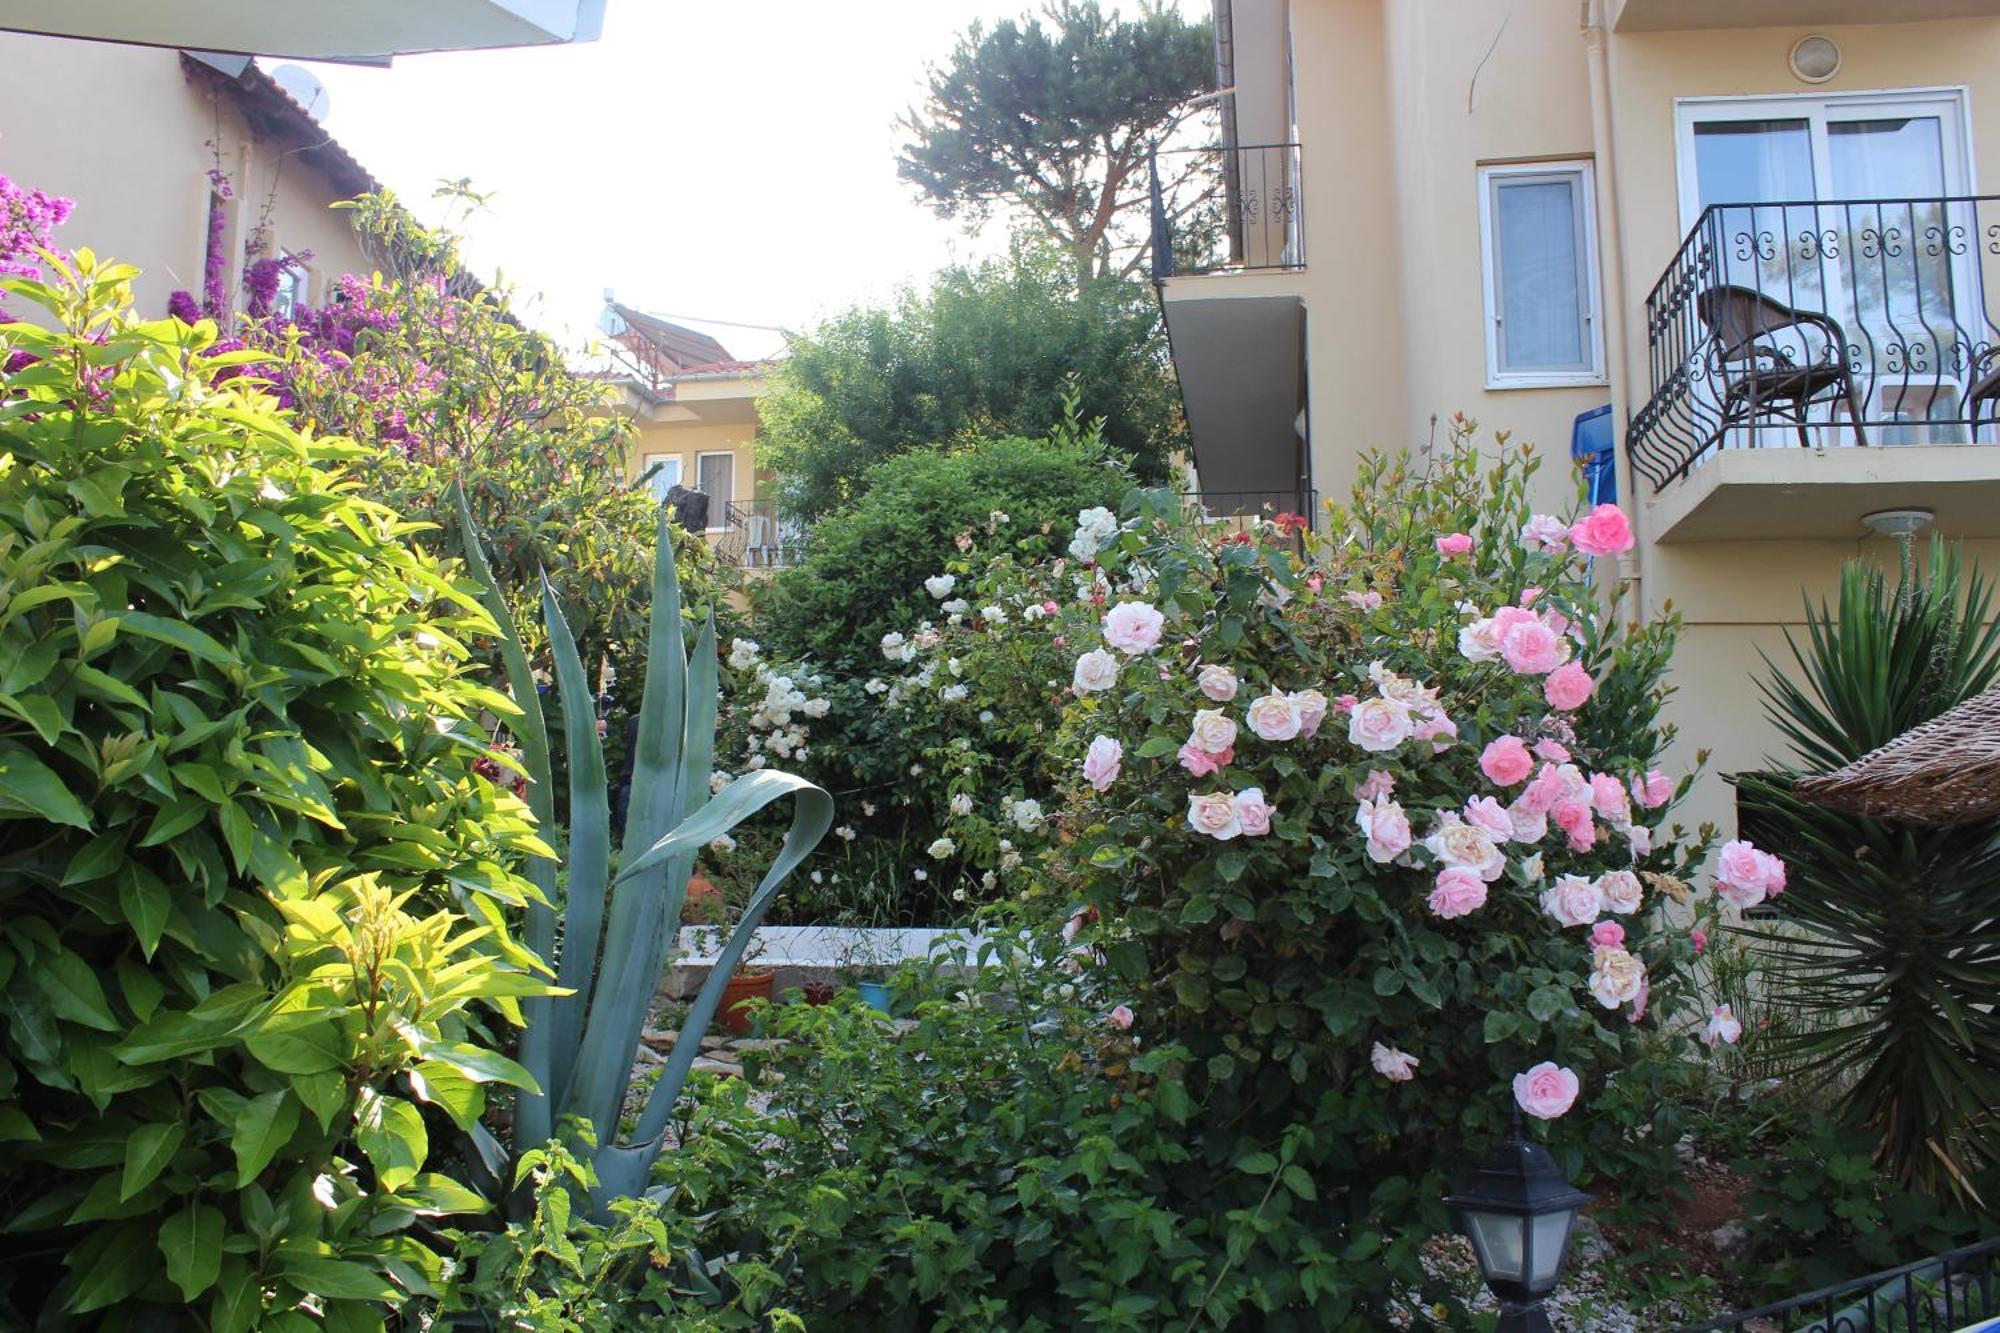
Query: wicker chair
{"type": "Point", "coordinates": [1761, 378]}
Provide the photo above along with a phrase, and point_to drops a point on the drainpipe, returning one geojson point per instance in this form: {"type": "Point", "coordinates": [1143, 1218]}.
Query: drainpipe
{"type": "Point", "coordinates": [1611, 251]}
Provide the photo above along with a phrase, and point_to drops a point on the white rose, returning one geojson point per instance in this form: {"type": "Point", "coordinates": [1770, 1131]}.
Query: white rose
{"type": "Point", "coordinates": [1574, 901]}
{"type": "Point", "coordinates": [1214, 814]}
{"type": "Point", "coordinates": [942, 848]}
{"type": "Point", "coordinates": [1379, 725]}
{"type": "Point", "coordinates": [1479, 641]}
{"type": "Point", "coordinates": [1212, 732]}
{"type": "Point", "coordinates": [1622, 891]}
{"type": "Point", "coordinates": [940, 585]}
{"type": "Point", "coordinates": [1470, 846]}
{"type": "Point", "coordinates": [1615, 977]}
{"type": "Point", "coordinates": [1027, 814]}
{"type": "Point", "coordinates": [1095, 670]}
{"type": "Point", "coordinates": [1217, 682]}
{"type": "Point", "coordinates": [961, 804]}
{"type": "Point", "coordinates": [1275, 717]}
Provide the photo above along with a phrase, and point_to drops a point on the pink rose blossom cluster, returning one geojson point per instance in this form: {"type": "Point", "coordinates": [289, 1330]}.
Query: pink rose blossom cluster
{"type": "Point", "coordinates": [1745, 876]}
{"type": "Point", "coordinates": [1223, 815]}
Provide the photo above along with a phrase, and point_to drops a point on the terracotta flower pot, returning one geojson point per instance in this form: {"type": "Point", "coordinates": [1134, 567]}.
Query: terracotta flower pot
{"type": "Point", "coordinates": [742, 988]}
{"type": "Point", "coordinates": [703, 905]}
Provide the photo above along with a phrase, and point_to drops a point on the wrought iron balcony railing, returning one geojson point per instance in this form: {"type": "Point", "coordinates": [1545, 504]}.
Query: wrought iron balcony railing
{"type": "Point", "coordinates": [755, 535]}
{"type": "Point", "coordinates": [1823, 323]}
{"type": "Point", "coordinates": [1934, 1295]}
{"type": "Point", "coordinates": [1235, 206]}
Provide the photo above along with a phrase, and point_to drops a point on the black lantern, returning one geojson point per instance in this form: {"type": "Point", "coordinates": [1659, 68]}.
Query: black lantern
{"type": "Point", "coordinates": [1517, 1209]}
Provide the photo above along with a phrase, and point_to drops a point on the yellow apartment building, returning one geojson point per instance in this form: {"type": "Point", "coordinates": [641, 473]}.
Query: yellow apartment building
{"type": "Point", "coordinates": [694, 413]}
{"type": "Point", "coordinates": [137, 163]}
{"type": "Point", "coordinates": [1759, 233]}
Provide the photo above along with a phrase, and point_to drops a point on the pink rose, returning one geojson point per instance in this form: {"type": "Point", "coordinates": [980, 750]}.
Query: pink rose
{"type": "Point", "coordinates": [1201, 762]}
{"type": "Point", "coordinates": [1573, 818]}
{"type": "Point", "coordinates": [1253, 812]}
{"type": "Point", "coordinates": [1653, 790]}
{"type": "Point", "coordinates": [1546, 1091]}
{"type": "Point", "coordinates": [1386, 828]}
{"type": "Point", "coordinates": [1440, 731]}
{"type": "Point", "coordinates": [1212, 730]}
{"type": "Point", "coordinates": [1379, 725]}
{"type": "Point", "coordinates": [1312, 706]}
{"type": "Point", "coordinates": [1774, 874]}
{"type": "Point", "coordinates": [1453, 545]}
{"type": "Point", "coordinates": [1506, 761]}
{"type": "Point", "coordinates": [1744, 875]}
{"type": "Point", "coordinates": [1456, 843]}
{"type": "Point", "coordinates": [1723, 1027]}
{"type": "Point", "coordinates": [1217, 682]}
{"type": "Point", "coordinates": [1363, 601]}
{"type": "Point", "coordinates": [1641, 839]}
{"type": "Point", "coordinates": [1541, 795]}
{"type": "Point", "coordinates": [1603, 531]}
{"type": "Point", "coordinates": [1132, 627]}
{"type": "Point", "coordinates": [1574, 901]}
{"type": "Point", "coordinates": [1607, 935]}
{"type": "Point", "coordinates": [1531, 648]}
{"type": "Point", "coordinates": [1544, 532]}
{"type": "Point", "coordinates": [1639, 1001]}
{"type": "Point", "coordinates": [1552, 751]}
{"type": "Point", "coordinates": [1743, 897]}
{"type": "Point", "coordinates": [1392, 1064]}
{"type": "Point", "coordinates": [1607, 793]}
{"type": "Point", "coordinates": [1568, 687]}
{"type": "Point", "coordinates": [1101, 762]}
{"type": "Point", "coordinates": [1700, 939]}
{"type": "Point", "coordinates": [1275, 717]}
{"type": "Point", "coordinates": [1121, 1018]}
{"type": "Point", "coordinates": [1529, 825]}
{"type": "Point", "coordinates": [1376, 785]}
{"type": "Point", "coordinates": [1490, 815]}
{"type": "Point", "coordinates": [1345, 703]}
{"type": "Point", "coordinates": [1050, 608]}
{"type": "Point", "coordinates": [1458, 891]}
{"type": "Point", "coordinates": [1214, 813]}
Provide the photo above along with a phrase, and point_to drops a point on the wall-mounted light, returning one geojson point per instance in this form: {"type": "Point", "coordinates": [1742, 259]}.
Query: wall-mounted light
{"type": "Point", "coordinates": [1900, 523]}
{"type": "Point", "coordinates": [1815, 58]}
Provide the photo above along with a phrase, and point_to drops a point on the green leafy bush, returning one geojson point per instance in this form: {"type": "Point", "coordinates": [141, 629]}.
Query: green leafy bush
{"type": "Point", "coordinates": [254, 920]}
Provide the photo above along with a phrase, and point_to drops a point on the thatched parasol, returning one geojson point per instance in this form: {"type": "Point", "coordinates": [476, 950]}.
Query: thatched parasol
{"type": "Point", "coordinates": [1946, 771]}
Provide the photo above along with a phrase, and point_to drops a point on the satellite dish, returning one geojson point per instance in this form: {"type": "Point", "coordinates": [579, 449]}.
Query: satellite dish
{"type": "Point", "coordinates": [305, 89]}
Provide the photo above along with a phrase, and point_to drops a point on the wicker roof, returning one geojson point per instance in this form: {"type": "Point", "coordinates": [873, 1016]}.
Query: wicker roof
{"type": "Point", "coordinates": [1946, 771]}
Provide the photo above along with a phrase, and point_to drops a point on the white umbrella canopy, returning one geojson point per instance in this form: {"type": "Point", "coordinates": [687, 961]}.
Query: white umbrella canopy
{"type": "Point", "coordinates": [368, 31]}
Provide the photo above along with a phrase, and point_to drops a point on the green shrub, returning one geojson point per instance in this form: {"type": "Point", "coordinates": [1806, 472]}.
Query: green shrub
{"type": "Point", "coordinates": [257, 887]}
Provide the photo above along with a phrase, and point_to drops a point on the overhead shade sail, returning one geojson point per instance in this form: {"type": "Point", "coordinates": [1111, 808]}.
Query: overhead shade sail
{"type": "Point", "coordinates": [370, 31]}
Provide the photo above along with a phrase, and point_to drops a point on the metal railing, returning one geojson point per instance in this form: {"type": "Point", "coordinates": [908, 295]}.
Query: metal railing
{"type": "Point", "coordinates": [755, 535]}
{"type": "Point", "coordinates": [1235, 207]}
{"type": "Point", "coordinates": [1243, 507]}
{"type": "Point", "coordinates": [1822, 323]}
{"type": "Point", "coordinates": [1935, 1295]}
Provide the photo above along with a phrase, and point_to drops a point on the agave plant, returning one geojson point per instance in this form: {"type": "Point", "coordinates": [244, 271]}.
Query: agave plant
{"type": "Point", "coordinates": [1884, 958]}
{"type": "Point", "coordinates": [621, 915]}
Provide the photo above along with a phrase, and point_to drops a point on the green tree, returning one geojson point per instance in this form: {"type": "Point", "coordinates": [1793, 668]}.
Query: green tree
{"type": "Point", "coordinates": [1055, 121]}
{"type": "Point", "coordinates": [990, 350]}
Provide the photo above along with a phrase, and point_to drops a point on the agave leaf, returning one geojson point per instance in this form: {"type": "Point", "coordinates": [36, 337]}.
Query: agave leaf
{"type": "Point", "coordinates": [589, 845]}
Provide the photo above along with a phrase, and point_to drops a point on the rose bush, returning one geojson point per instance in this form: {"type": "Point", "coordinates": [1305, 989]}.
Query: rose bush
{"type": "Point", "coordinates": [1384, 850]}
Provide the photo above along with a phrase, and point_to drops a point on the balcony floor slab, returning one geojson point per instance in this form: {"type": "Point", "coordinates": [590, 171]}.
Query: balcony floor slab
{"type": "Point", "coordinates": [1792, 494]}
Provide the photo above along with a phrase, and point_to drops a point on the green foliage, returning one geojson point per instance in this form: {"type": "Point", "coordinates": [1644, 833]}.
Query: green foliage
{"type": "Point", "coordinates": [1820, 1211]}
{"type": "Point", "coordinates": [253, 923]}
{"type": "Point", "coordinates": [1055, 123]}
{"type": "Point", "coordinates": [863, 577]}
{"type": "Point", "coordinates": [621, 918]}
{"type": "Point", "coordinates": [1282, 956]}
{"type": "Point", "coordinates": [1885, 953]}
{"type": "Point", "coordinates": [1000, 349]}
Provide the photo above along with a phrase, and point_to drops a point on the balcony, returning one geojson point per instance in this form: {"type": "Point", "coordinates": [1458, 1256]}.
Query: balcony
{"type": "Point", "coordinates": [1682, 15]}
{"type": "Point", "coordinates": [1238, 511]}
{"type": "Point", "coordinates": [1811, 362]}
{"type": "Point", "coordinates": [1231, 208]}
{"type": "Point", "coordinates": [754, 535]}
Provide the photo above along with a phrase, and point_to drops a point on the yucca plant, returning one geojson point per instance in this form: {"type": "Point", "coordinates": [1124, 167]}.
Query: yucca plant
{"type": "Point", "coordinates": [621, 915]}
{"type": "Point", "coordinates": [1881, 964]}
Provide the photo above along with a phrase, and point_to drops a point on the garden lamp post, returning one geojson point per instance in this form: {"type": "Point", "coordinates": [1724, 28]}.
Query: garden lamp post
{"type": "Point", "coordinates": [1517, 1209]}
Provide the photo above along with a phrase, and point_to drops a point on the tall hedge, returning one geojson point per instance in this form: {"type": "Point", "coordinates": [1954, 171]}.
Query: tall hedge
{"type": "Point", "coordinates": [255, 881]}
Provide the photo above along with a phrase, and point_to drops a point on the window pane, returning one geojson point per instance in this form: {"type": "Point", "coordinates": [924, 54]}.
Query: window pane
{"type": "Point", "coordinates": [1541, 283]}
{"type": "Point", "coordinates": [717, 478]}
{"type": "Point", "coordinates": [666, 478]}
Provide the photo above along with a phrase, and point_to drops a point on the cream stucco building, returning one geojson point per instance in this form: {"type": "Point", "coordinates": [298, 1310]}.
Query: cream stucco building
{"type": "Point", "coordinates": [1696, 212]}
{"type": "Point", "coordinates": [693, 410]}
{"type": "Point", "coordinates": [132, 133]}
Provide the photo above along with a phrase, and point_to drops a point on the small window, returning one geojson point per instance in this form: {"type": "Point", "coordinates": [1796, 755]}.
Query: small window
{"type": "Point", "coordinates": [716, 478]}
{"type": "Point", "coordinates": [293, 289]}
{"type": "Point", "coordinates": [1538, 240]}
{"type": "Point", "coordinates": [664, 470]}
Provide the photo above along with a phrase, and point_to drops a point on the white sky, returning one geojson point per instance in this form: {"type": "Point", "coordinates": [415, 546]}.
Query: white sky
{"type": "Point", "coordinates": [728, 160]}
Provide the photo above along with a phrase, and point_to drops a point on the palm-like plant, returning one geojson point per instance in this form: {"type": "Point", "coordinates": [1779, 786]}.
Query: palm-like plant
{"type": "Point", "coordinates": [1886, 950]}
{"type": "Point", "coordinates": [621, 917]}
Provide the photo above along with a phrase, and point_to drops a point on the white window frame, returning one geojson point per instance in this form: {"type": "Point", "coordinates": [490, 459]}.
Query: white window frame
{"type": "Point", "coordinates": [1950, 103]}
{"type": "Point", "coordinates": [1583, 170]}
{"type": "Point", "coordinates": [297, 277]}
{"type": "Point", "coordinates": [647, 458]}
{"type": "Point", "coordinates": [718, 513]}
